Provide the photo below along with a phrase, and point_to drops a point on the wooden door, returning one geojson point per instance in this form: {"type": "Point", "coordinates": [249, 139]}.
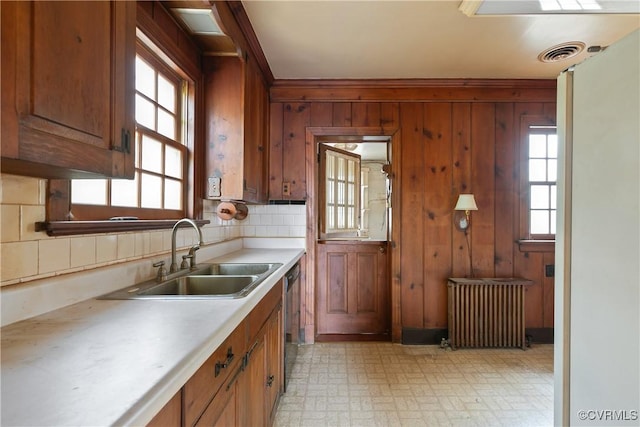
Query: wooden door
{"type": "Point", "coordinates": [353, 289]}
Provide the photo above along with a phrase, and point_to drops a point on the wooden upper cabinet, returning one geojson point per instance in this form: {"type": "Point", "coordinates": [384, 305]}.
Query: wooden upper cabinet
{"type": "Point", "coordinates": [237, 111]}
{"type": "Point", "coordinates": [68, 88]}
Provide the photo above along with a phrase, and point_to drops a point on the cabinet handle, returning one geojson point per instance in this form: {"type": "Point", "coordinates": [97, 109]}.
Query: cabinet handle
{"type": "Point", "coordinates": [270, 379]}
{"type": "Point", "coordinates": [234, 378]}
{"type": "Point", "coordinates": [247, 356]}
{"type": "Point", "coordinates": [125, 142]}
{"type": "Point", "coordinates": [223, 365]}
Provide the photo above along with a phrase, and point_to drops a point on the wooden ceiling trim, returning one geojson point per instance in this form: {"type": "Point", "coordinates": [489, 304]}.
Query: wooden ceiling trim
{"type": "Point", "coordinates": [454, 90]}
{"type": "Point", "coordinates": [235, 23]}
{"type": "Point", "coordinates": [163, 30]}
{"type": "Point", "coordinates": [252, 40]}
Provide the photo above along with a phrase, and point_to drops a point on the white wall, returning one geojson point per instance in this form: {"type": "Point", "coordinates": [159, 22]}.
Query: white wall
{"type": "Point", "coordinates": [603, 234]}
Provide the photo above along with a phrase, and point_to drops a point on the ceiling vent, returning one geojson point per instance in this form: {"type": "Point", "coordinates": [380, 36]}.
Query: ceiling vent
{"type": "Point", "coordinates": [199, 21]}
{"type": "Point", "coordinates": [561, 52]}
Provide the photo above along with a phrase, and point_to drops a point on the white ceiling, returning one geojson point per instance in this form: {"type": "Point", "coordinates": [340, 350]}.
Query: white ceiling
{"type": "Point", "coordinates": [418, 39]}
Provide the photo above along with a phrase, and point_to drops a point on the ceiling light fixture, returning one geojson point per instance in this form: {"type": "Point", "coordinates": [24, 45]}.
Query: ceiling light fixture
{"type": "Point", "coordinates": [576, 5]}
{"type": "Point", "coordinates": [537, 7]}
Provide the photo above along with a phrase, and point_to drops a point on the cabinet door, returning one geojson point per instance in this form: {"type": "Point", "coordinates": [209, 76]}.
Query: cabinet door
{"type": "Point", "coordinates": [205, 383]}
{"type": "Point", "coordinates": [68, 68]}
{"type": "Point", "coordinates": [236, 128]}
{"type": "Point", "coordinates": [224, 91]}
{"type": "Point", "coordinates": [223, 409]}
{"type": "Point", "coordinates": [255, 135]}
{"type": "Point", "coordinates": [170, 415]}
{"type": "Point", "coordinates": [275, 358]}
{"type": "Point", "coordinates": [253, 384]}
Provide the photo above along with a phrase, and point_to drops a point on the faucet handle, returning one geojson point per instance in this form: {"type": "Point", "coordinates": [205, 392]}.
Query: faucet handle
{"type": "Point", "coordinates": [162, 272]}
{"type": "Point", "coordinates": [185, 264]}
{"type": "Point", "coordinates": [192, 254]}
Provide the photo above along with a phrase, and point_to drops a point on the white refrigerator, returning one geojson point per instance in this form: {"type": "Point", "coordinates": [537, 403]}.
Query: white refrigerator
{"type": "Point", "coordinates": [597, 294]}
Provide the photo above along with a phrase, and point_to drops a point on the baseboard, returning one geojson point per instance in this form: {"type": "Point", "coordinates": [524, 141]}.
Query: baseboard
{"type": "Point", "coordinates": [352, 337]}
{"type": "Point", "coordinates": [415, 336]}
{"type": "Point", "coordinates": [539, 335]}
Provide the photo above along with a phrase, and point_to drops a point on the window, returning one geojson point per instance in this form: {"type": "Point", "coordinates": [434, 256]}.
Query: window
{"type": "Point", "coordinates": [340, 177]}
{"type": "Point", "coordinates": [159, 188]}
{"type": "Point", "coordinates": [541, 173]}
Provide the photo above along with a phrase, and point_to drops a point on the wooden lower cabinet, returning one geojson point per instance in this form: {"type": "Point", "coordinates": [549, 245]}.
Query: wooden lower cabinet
{"type": "Point", "coordinates": [262, 380]}
{"type": "Point", "coordinates": [274, 363]}
{"type": "Point", "coordinates": [209, 379]}
{"type": "Point", "coordinates": [223, 409]}
{"type": "Point", "coordinates": [170, 414]}
{"type": "Point", "coordinates": [246, 391]}
{"type": "Point", "coordinates": [253, 385]}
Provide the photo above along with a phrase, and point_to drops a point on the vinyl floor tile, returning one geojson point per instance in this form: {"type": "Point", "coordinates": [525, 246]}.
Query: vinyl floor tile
{"type": "Point", "coordinates": [383, 384]}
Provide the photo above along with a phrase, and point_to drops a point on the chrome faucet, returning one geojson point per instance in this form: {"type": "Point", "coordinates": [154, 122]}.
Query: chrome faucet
{"type": "Point", "coordinates": [192, 251]}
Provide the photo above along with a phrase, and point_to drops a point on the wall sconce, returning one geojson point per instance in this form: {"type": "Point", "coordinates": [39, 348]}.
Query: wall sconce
{"type": "Point", "coordinates": [466, 203]}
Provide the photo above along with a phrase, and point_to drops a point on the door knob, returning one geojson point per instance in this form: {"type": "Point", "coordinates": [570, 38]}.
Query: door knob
{"type": "Point", "coordinates": [382, 249]}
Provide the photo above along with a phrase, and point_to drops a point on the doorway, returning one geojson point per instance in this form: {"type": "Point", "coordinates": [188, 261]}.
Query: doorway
{"type": "Point", "coordinates": [351, 230]}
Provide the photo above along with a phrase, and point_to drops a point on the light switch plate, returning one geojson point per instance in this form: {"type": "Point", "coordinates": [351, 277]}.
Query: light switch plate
{"type": "Point", "coordinates": [213, 187]}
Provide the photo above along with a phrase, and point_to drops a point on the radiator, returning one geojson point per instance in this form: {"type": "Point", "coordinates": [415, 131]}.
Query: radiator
{"type": "Point", "coordinates": [486, 312]}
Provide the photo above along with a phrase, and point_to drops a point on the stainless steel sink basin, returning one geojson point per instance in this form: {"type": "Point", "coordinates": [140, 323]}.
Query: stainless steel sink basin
{"type": "Point", "coordinates": [232, 286]}
{"type": "Point", "coordinates": [238, 269]}
{"type": "Point", "coordinates": [206, 281]}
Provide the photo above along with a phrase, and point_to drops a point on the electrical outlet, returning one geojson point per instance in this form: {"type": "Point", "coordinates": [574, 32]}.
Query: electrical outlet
{"type": "Point", "coordinates": [213, 187]}
{"type": "Point", "coordinates": [286, 189]}
{"type": "Point", "coordinates": [549, 270]}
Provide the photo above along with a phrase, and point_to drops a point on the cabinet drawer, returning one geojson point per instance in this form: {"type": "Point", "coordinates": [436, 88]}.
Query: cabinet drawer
{"type": "Point", "coordinates": [206, 382]}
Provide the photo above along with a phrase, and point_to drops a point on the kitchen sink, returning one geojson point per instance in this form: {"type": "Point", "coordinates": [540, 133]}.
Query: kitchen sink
{"type": "Point", "coordinates": [237, 269]}
{"type": "Point", "coordinates": [232, 286]}
{"type": "Point", "coordinates": [206, 281]}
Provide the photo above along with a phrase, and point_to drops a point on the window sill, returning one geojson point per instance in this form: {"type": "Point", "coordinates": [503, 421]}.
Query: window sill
{"type": "Point", "coordinates": [70, 228]}
{"type": "Point", "coordinates": [529, 245]}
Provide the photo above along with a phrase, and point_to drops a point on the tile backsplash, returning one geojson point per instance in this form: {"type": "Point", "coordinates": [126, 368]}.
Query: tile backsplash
{"type": "Point", "coordinates": [28, 255]}
{"type": "Point", "coordinates": [275, 221]}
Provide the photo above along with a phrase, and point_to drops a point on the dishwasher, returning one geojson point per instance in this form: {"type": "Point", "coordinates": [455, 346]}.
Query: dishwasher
{"type": "Point", "coordinates": [291, 320]}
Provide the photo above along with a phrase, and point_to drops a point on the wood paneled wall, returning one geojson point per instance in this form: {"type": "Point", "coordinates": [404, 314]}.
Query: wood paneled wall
{"type": "Point", "coordinates": [469, 142]}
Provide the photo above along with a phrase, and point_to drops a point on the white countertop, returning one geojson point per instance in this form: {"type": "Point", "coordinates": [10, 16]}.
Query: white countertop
{"type": "Point", "coordinates": [117, 362]}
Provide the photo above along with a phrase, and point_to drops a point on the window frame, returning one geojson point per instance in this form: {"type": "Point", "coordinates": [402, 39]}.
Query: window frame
{"type": "Point", "coordinates": [184, 85]}
{"type": "Point", "coordinates": [529, 241]}
{"type": "Point", "coordinates": [324, 230]}
{"type": "Point", "coordinates": [62, 221]}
